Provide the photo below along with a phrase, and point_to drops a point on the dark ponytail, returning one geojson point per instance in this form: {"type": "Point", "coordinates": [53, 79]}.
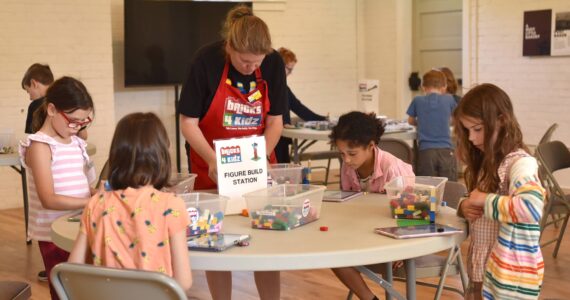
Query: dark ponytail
{"type": "Point", "coordinates": [67, 94]}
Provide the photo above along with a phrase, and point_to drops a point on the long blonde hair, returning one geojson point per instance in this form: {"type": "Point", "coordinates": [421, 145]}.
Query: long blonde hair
{"type": "Point", "coordinates": [245, 32]}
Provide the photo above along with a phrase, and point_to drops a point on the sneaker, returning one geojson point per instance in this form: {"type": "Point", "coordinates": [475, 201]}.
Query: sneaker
{"type": "Point", "coordinates": [42, 276]}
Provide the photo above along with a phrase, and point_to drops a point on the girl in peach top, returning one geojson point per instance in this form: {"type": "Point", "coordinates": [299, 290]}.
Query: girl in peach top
{"type": "Point", "coordinates": [132, 224]}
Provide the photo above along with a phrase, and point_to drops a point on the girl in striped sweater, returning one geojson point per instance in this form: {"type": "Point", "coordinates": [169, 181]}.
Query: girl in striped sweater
{"type": "Point", "coordinates": [505, 194]}
{"type": "Point", "coordinates": [56, 161]}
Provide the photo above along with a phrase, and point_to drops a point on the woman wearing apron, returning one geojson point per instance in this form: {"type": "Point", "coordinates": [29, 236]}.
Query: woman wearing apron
{"type": "Point", "coordinates": [236, 87]}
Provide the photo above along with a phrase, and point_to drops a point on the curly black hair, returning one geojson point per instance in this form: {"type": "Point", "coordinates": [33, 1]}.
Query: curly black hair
{"type": "Point", "coordinates": [358, 129]}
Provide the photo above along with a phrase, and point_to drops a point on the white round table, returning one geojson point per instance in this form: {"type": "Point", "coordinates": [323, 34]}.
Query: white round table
{"type": "Point", "coordinates": [349, 241]}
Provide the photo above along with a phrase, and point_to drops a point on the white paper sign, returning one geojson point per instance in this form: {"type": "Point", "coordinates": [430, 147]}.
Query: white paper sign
{"type": "Point", "coordinates": [242, 168]}
{"type": "Point", "coordinates": [368, 95]}
{"type": "Point", "coordinates": [560, 42]}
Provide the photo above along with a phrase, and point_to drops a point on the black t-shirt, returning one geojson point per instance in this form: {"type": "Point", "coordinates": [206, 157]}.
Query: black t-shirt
{"type": "Point", "coordinates": [34, 105]}
{"type": "Point", "coordinates": [206, 71]}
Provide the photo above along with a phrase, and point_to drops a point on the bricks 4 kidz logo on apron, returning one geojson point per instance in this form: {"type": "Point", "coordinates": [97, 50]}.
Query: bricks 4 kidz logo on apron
{"type": "Point", "coordinates": [239, 115]}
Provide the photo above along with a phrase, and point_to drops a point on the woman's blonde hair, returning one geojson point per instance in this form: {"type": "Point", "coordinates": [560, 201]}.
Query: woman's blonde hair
{"type": "Point", "coordinates": [246, 33]}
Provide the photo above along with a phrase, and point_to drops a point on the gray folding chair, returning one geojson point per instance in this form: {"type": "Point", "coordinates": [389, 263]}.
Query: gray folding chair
{"type": "Point", "coordinates": [548, 134]}
{"type": "Point", "coordinates": [554, 156]}
{"type": "Point", "coordinates": [321, 155]}
{"type": "Point", "coordinates": [87, 282]}
{"type": "Point", "coordinates": [398, 148]}
{"type": "Point", "coordinates": [434, 265]}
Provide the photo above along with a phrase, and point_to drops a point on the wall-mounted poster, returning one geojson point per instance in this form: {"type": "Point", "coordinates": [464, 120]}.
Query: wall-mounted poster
{"type": "Point", "coordinates": [536, 32]}
{"type": "Point", "coordinates": [561, 34]}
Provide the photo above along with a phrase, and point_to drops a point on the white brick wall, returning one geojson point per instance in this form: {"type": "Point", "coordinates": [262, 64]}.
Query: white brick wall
{"type": "Point", "coordinates": [75, 39]}
{"type": "Point", "coordinates": [321, 33]}
{"type": "Point", "coordinates": [538, 86]}
{"type": "Point", "coordinates": [336, 43]}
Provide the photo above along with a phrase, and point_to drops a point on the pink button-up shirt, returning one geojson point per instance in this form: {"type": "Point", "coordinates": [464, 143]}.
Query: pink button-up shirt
{"type": "Point", "coordinates": [386, 168]}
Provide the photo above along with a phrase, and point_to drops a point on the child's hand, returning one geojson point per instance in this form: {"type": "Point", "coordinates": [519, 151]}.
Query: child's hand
{"type": "Point", "coordinates": [93, 191]}
{"type": "Point", "coordinates": [478, 198]}
{"type": "Point", "coordinates": [471, 211]}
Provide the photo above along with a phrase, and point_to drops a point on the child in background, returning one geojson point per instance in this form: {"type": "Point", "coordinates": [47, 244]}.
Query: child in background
{"type": "Point", "coordinates": [365, 167]}
{"type": "Point", "coordinates": [35, 82]}
{"type": "Point", "coordinates": [132, 224]}
{"type": "Point", "coordinates": [59, 169]}
{"type": "Point", "coordinates": [431, 114]}
{"type": "Point", "coordinates": [505, 191]}
{"type": "Point", "coordinates": [451, 88]}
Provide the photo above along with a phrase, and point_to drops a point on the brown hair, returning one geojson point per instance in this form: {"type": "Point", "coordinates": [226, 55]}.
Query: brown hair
{"type": "Point", "coordinates": [38, 72]}
{"type": "Point", "coordinates": [139, 153]}
{"type": "Point", "coordinates": [67, 94]}
{"type": "Point", "coordinates": [246, 33]}
{"type": "Point", "coordinates": [287, 55]}
{"type": "Point", "coordinates": [358, 129]}
{"type": "Point", "coordinates": [451, 82]}
{"type": "Point", "coordinates": [433, 79]}
{"type": "Point", "coordinates": [491, 105]}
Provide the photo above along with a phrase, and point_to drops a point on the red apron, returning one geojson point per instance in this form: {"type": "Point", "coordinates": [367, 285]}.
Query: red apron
{"type": "Point", "coordinates": [230, 115]}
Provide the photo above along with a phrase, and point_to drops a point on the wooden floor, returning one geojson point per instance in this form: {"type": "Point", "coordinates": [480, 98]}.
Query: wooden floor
{"type": "Point", "coordinates": [19, 261]}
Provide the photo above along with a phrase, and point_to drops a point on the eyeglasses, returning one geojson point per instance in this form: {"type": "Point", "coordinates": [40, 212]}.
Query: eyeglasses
{"type": "Point", "coordinates": [75, 124]}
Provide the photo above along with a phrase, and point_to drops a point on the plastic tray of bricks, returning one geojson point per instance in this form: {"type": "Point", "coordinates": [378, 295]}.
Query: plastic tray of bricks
{"type": "Point", "coordinates": [285, 206]}
{"type": "Point", "coordinates": [415, 197]}
{"type": "Point", "coordinates": [206, 212]}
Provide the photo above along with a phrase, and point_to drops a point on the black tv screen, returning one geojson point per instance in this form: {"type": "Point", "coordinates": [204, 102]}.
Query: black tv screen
{"type": "Point", "coordinates": [161, 37]}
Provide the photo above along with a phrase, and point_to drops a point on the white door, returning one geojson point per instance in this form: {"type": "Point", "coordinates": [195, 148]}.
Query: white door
{"type": "Point", "coordinates": [437, 36]}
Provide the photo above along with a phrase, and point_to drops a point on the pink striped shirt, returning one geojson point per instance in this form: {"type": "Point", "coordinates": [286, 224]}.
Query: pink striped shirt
{"type": "Point", "coordinates": [69, 165]}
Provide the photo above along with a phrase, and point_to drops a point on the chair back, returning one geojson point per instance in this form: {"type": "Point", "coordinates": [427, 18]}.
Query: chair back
{"type": "Point", "coordinates": [548, 134]}
{"type": "Point", "coordinates": [87, 282]}
{"type": "Point", "coordinates": [453, 191]}
{"type": "Point", "coordinates": [104, 175]}
{"type": "Point", "coordinates": [398, 148]}
{"type": "Point", "coordinates": [553, 156]}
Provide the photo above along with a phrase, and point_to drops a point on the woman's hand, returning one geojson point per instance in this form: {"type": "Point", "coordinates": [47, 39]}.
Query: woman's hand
{"type": "Point", "coordinates": [213, 170]}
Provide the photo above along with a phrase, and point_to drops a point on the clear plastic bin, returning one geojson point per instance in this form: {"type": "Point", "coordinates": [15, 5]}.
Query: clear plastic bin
{"type": "Point", "coordinates": [286, 173]}
{"type": "Point", "coordinates": [206, 212]}
{"type": "Point", "coordinates": [285, 206]}
{"type": "Point", "coordinates": [181, 183]}
{"type": "Point", "coordinates": [7, 142]}
{"type": "Point", "coordinates": [415, 197]}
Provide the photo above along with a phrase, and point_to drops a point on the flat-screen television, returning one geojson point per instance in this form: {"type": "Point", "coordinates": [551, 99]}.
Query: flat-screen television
{"type": "Point", "coordinates": [161, 37]}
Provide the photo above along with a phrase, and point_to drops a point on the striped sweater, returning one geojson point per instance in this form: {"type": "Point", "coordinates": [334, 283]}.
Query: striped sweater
{"type": "Point", "coordinates": [515, 267]}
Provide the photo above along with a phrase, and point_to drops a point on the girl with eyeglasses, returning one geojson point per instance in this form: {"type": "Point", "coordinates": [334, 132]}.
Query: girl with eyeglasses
{"type": "Point", "coordinates": [59, 169]}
